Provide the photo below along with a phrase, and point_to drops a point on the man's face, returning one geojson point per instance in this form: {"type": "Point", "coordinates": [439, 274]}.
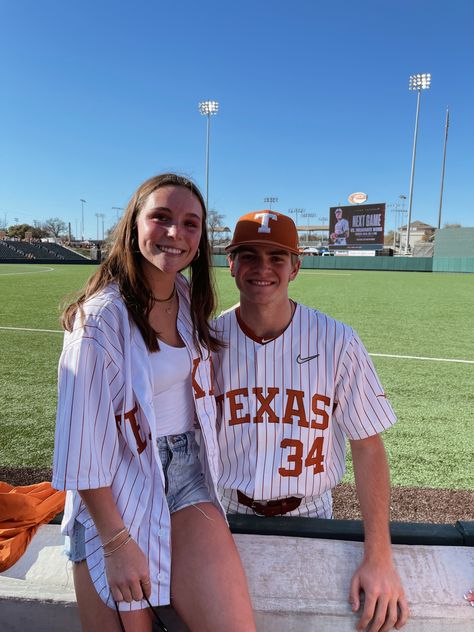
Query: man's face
{"type": "Point", "coordinates": [338, 215]}
{"type": "Point", "coordinates": [262, 273]}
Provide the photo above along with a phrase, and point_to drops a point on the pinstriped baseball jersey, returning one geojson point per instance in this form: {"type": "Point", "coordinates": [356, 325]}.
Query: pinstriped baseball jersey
{"type": "Point", "coordinates": [286, 406]}
{"type": "Point", "coordinates": [106, 432]}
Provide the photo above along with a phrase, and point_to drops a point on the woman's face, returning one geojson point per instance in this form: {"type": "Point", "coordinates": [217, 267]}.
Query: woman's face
{"type": "Point", "coordinates": [169, 229]}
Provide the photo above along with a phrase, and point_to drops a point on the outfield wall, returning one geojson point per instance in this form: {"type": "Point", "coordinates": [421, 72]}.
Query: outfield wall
{"type": "Point", "coordinates": [404, 264]}
{"type": "Point", "coordinates": [453, 264]}
{"type": "Point", "coordinates": [400, 264]}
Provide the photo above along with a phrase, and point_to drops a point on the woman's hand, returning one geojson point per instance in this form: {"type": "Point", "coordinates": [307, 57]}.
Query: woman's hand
{"type": "Point", "coordinates": [127, 573]}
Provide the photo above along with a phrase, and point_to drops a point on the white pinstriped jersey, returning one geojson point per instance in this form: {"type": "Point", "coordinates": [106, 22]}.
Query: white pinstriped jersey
{"type": "Point", "coordinates": [106, 432]}
{"type": "Point", "coordinates": [286, 406]}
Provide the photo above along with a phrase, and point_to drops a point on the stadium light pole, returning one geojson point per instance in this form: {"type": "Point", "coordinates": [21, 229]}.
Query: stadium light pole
{"type": "Point", "coordinates": [82, 218]}
{"type": "Point", "coordinates": [117, 209]}
{"type": "Point", "coordinates": [398, 210]}
{"type": "Point", "coordinates": [307, 216]}
{"type": "Point", "coordinates": [325, 220]}
{"type": "Point", "coordinates": [208, 109]}
{"type": "Point", "coordinates": [418, 83]}
{"type": "Point", "coordinates": [446, 127]}
{"type": "Point", "coordinates": [270, 201]}
{"type": "Point", "coordinates": [296, 212]}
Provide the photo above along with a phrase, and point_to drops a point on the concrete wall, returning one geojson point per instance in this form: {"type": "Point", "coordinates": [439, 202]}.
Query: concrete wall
{"type": "Point", "coordinates": [297, 585]}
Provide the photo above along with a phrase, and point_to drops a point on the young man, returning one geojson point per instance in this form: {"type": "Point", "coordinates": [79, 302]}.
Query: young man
{"type": "Point", "coordinates": [341, 229]}
{"type": "Point", "coordinates": [291, 384]}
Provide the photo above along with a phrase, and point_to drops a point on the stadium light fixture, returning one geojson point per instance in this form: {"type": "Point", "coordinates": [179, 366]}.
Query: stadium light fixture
{"type": "Point", "coordinates": [270, 201]}
{"type": "Point", "coordinates": [417, 82]}
{"type": "Point", "coordinates": [296, 212]}
{"type": "Point", "coordinates": [208, 109]}
{"type": "Point", "coordinates": [117, 214]}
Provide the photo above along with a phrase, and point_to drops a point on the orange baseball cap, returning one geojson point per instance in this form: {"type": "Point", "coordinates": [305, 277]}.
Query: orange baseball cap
{"type": "Point", "coordinates": [265, 227]}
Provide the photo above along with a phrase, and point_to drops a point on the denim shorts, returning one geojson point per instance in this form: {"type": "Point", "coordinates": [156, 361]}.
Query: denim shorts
{"type": "Point", "coordinates": [184, 484]}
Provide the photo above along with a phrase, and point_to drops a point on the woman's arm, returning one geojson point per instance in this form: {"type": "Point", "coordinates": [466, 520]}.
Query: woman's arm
{"type": "Point", "coordinates": [126, 565]}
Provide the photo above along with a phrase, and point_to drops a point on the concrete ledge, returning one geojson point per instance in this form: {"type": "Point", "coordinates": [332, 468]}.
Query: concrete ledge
{"type": "Point", "coordinates": [297, 584]}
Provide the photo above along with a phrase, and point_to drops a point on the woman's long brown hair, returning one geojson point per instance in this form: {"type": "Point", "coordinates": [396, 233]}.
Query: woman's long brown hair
{"type": "Point", "coordinates": [123, 266]}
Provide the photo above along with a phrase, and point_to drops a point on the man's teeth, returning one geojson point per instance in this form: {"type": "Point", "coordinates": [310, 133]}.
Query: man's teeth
{"type": "Point", "coordinates": [262, 283]}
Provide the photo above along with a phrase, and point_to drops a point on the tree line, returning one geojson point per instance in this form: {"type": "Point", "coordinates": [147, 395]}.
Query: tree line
{"type": "Point", "coordinates": [52, 227]}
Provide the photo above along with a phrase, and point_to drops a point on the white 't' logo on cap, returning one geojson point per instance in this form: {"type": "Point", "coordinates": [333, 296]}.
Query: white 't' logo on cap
{"type": "Point", "coordinates": [265, 219]}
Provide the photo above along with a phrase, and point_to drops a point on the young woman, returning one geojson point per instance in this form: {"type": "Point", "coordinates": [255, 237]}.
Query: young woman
{"type": "Point", "coordinates": [135, 441]}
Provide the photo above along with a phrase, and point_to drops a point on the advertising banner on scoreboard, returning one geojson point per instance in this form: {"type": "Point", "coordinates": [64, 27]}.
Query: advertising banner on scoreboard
{"type": "Point", "coordinates": [356, 227]}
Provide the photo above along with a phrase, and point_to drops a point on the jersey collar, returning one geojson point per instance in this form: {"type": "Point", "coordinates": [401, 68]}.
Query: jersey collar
{"type": "Point", "coordinates": [252, 335]}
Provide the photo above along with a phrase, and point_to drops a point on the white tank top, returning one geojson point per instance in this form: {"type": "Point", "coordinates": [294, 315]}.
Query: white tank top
{"type": "Point", "coordinates": [172, 390]}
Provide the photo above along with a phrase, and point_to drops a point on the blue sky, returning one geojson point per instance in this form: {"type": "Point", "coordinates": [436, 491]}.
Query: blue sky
{"type": "Point", "coordinates": [96, 96]}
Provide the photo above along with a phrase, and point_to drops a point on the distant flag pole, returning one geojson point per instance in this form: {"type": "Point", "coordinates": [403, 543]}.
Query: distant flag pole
{"type": "Point", "coordinates": [446, 127]}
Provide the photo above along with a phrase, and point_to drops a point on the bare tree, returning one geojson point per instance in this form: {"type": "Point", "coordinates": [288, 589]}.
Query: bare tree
{"type": "Point", "coordinates": [55, 226]}
{"type": "Point", "coordinates": [215, 221]}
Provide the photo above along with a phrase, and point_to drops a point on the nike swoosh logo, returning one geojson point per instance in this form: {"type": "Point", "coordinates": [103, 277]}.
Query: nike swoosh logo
{"type": "Point", "coordinates": [301, 360]}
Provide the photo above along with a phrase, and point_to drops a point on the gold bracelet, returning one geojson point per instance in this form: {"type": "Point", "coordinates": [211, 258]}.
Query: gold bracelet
{"type": "Point", "coordinates": [126, 541]}
{"type": "Point", "coordinates": [117, 535]}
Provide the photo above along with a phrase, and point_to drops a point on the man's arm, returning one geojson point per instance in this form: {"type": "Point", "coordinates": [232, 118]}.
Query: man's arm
{"type": "Point", "coordinates": [385, 604]}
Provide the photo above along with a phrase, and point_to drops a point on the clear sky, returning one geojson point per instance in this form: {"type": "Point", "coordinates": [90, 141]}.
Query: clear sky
{"type": "Point", "coordinates": [98, 95]}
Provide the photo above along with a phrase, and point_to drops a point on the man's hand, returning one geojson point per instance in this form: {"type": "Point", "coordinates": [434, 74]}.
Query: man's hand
{"type": "Point", "coordinates": [385, 606]}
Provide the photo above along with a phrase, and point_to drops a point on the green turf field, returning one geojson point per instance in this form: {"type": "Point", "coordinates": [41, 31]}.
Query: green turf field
{"type": "Point", "coordinates": [411, 314]}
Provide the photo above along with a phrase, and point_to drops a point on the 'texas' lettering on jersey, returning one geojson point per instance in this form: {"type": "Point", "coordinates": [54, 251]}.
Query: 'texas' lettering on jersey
{"type": "Point", "coordinates": [270, 402]}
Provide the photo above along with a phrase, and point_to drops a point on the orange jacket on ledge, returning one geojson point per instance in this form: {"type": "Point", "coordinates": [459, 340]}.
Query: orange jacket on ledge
{"type": "Point", "coordinates": [22, 511]}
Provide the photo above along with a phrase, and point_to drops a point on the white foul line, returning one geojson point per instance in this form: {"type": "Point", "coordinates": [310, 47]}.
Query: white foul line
{"type": "Point", "coordinates": [27, 272]}
{"type": "Point", "coordinates": [407, 357]}
{"type": "Point", "coordinates": [378, 355]}
{"type": "Point", "coordinates": [49, 331]}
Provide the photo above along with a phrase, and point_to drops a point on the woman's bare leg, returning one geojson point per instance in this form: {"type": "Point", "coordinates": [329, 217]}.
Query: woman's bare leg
{"type": "Point", "coordinates": [208, 585]}
{"type": "Point", "coordinates": [95, 615]}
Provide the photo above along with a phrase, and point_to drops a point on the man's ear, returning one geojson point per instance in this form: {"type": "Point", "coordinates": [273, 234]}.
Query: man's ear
{"type": "Point", "coordinates": [296, 269]}
{"type": "Point", "coordinates": [230, 261]}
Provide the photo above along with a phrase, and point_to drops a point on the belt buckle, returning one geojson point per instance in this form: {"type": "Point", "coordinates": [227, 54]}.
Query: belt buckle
{"type": "Point", "coordinates": [253, 507]}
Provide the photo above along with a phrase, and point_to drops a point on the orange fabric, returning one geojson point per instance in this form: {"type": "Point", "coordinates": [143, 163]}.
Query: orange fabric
{"type": "Point", "coordinates": [22, 511]}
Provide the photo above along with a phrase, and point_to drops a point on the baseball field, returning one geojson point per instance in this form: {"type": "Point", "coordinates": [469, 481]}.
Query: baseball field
{"type": "Point", "coordinates": [418, 328]}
